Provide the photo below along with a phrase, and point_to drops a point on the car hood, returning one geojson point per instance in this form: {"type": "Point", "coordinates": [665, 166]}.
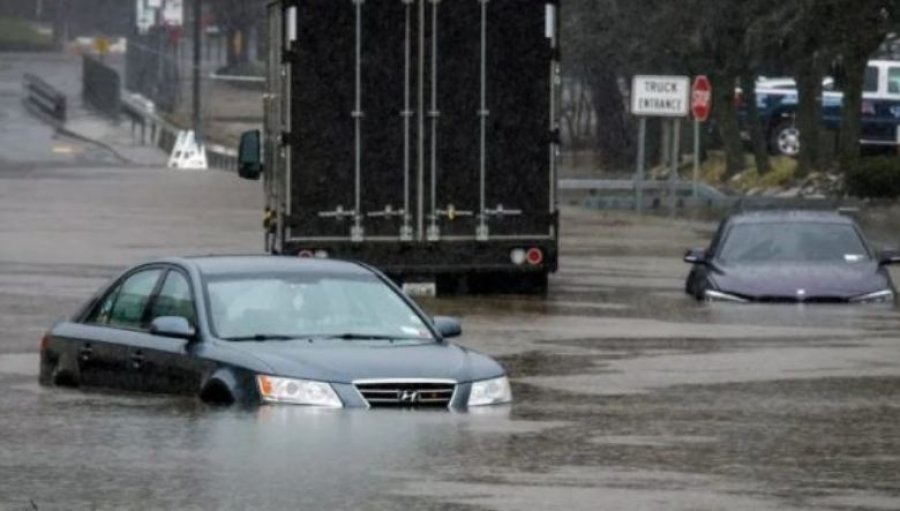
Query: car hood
{"type": "Point", "coordinates": [786, 281]}
{"type": "Point", "coordinates": [347, 361]}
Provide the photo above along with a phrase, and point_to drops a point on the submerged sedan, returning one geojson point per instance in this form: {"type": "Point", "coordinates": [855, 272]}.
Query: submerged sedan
{"type": "Point", "coordinates": [263, 329]}
{"type": "Point", "coordinates": [792, 257]}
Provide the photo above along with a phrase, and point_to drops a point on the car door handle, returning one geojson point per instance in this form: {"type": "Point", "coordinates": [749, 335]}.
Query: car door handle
{"type": "Point", "coordinates": [86, 352]}
{"type": "Point", "coordinates": [137, 359]}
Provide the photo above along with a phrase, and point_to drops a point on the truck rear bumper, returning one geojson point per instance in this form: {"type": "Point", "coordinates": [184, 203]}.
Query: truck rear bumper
{"type": "Point", "coordinates": [446, 257]}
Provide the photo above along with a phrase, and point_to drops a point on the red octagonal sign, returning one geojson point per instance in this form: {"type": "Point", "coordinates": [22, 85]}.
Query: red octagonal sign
{"type": "Point", "coordinates": [701, 98]}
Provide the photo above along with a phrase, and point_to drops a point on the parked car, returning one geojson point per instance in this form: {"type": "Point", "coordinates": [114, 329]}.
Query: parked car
{"type": "Point", "coordinates": [265, 329]}
{"type": "Point", "coordinates": [777, 103]}
{"type": "Point", "coordinates": [790, 257]}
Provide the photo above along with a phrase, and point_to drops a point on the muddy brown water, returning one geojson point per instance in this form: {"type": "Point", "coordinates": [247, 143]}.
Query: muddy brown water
{"type": "Point", "coordinates": [628, 394]}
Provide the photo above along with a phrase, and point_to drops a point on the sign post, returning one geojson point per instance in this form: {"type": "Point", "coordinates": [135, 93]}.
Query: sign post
{"type": "Point", "coordinates": [701, 104]}
{"type": "Point", "coordinates": [639, 172]}
{"type": "Point", "coordinates": [658, 96]}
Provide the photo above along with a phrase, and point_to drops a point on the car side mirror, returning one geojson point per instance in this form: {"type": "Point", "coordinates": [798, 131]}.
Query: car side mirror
{"type": "Point", "coordinates": [175, 327]}
{"type": "Point", "coordinates": [250, 156]}
{"type": "Point", "coordinates": [695, 256]}
{"type": "Point", "coordinates": [889, 257]}
{"type": "Point", "coordinates": [447, 327]}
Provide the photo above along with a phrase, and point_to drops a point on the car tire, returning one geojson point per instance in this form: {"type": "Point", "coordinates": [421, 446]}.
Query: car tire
{"type": "Point", "coordinates": [785, 139]}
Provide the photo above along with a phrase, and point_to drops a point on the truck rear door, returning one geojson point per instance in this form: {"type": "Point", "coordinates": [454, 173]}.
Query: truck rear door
{"type": "Point", "coordinates": [421, 120]}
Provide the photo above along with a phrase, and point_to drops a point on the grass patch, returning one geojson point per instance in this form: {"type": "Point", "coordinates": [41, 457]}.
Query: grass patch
{"type": "Point", "coordinates": [20, 35]}
{"type": "Point", "coordinates": [782, 174]}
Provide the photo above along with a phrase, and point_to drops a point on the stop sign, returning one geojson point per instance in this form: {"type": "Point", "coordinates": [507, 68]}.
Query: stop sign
{"type": "Point", "coordinates": [701, 98]}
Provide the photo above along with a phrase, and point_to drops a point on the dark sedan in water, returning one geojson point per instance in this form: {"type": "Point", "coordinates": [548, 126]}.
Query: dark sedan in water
{"type": "Point", "coordinates": [790, 257]}
{"type": "Point", "coordinates": [265, 329]}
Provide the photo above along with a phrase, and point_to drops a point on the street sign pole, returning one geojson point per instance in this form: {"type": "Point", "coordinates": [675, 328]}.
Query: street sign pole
{"type": "Point", "coordinates": [673, 173]}
{"type": "Point", "coordinates": [641, 157]}
{"type": "Point", "coordinates": [696, 186]}
{"type": "Point", "coordinates": [701, 103]}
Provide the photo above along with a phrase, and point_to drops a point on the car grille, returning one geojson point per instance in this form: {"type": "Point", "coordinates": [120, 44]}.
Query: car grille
{"type": "Point", "coordinates": [793, 299]}
{"type": "Point", "coordinates": [407, 394]}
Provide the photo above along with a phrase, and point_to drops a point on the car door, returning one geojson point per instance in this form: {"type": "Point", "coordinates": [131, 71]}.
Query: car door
{"type": "Point", "coordinates": [164, 364]}
{"type": "Point", "coordinates": [103, 338]}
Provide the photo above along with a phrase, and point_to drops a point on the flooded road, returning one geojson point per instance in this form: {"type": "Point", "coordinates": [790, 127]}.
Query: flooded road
{"type": "Point", "coordinates": [628, 394]}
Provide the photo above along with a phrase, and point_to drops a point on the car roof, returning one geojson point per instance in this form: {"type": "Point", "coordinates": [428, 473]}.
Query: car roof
{"type": "Point", "coordinates": [788, 216]}
{"type": "Point", "coordinates": [243, 264]}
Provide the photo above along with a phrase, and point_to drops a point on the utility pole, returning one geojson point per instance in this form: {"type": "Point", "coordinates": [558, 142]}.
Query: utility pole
{"type": "Point", "coordinates": [198, 39]}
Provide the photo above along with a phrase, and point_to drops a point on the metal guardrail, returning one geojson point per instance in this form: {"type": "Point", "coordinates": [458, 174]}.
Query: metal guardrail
{"type": "Point", "coordinates": [704, 191]}
{"type": "Point", "coordinates": [153, 129]}
{"type": "Point", "coordinates": [617, 194]}
{"type": "Point", "coordinates": [45, 98]}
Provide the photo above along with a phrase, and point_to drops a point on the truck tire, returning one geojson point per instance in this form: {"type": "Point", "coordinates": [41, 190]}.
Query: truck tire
{"type": "Point", "coordinates": [785, 139]}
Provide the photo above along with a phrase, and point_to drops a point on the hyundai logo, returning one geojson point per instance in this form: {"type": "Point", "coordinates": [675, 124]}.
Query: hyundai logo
{"type": "Point", "coordinates": [408, 396]}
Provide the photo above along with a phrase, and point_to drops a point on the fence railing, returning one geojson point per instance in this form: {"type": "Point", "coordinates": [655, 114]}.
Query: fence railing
{"type": "Point", "coordinates": [45, 98]}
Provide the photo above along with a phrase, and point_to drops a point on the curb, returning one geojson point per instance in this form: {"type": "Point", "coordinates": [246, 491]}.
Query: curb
{"type": "Point", "coordinates": [66, 132]}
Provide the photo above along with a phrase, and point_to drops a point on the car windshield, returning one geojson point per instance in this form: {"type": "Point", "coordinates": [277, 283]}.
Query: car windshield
{"type": "Point", "coordinates": [793, 243]}
{"type": "Point", "coordinates": [292, 306]}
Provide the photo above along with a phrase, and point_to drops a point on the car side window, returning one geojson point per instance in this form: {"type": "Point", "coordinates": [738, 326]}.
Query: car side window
{"type": "Point", "coordinates": [101, 312]}
{"type": "Point", "coordinates": [131, 302]}
{"type": "Point", "coordinates": [174, 299]}
{"type": "Point", "coordinates": [871, 81]}
{"type": "Point", "coordinates": [894, 80]}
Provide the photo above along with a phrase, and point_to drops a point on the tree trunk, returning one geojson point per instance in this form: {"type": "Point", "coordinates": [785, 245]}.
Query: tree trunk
{"type": "Point", "coordinates": [725, 115]}
{"type": "Point", "coordinates": [851, 108]}
{"type": "Point", "coordinates": [809, 115]}
{"type": "Point", "coordinates": [757, 134]}
{"type": "Point", "coordinates": [614, 141]}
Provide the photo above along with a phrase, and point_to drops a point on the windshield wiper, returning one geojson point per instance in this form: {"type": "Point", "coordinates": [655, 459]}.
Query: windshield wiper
{"type": "Point", "coordinates": [262, 338]}
{"type": "Point", "coordinates": [350, 336]}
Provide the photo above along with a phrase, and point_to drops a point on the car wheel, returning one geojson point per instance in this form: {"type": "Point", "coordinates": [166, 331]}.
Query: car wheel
{"type": "Point", "coordinates": [786, 139]}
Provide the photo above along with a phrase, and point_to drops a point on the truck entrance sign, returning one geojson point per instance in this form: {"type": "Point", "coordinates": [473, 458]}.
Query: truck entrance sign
{"type": "Point", "coordinates": [660, 96]}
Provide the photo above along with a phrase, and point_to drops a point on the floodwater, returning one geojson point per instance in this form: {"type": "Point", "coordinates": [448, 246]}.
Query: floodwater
{"type": "Point", "coordinates": [628, 394]}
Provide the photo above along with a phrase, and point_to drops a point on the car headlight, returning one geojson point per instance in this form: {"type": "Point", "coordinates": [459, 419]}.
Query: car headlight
{"type": "Point", "coordinates": [717, 296]}
{"type": "Point", "coordinates": [885, 295]}
{"type": "Point", "coordinates": [298, 392]}
{"type": "Point", "coordinates": [490, 392]}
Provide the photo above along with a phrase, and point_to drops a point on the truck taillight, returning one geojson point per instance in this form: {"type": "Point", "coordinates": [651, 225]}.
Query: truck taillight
{"type": "Point", "coordinates": [534, 256]}
{"type": "Point", "coordinates": [45, 342]}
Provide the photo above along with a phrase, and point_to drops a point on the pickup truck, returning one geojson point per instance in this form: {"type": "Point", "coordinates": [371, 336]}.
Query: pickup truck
{"type": "Point", "coordinates": [777, 102]}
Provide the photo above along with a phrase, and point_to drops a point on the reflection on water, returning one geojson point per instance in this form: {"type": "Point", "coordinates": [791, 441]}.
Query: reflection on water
{"type": "Point", "coordinates": [124, 450]}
